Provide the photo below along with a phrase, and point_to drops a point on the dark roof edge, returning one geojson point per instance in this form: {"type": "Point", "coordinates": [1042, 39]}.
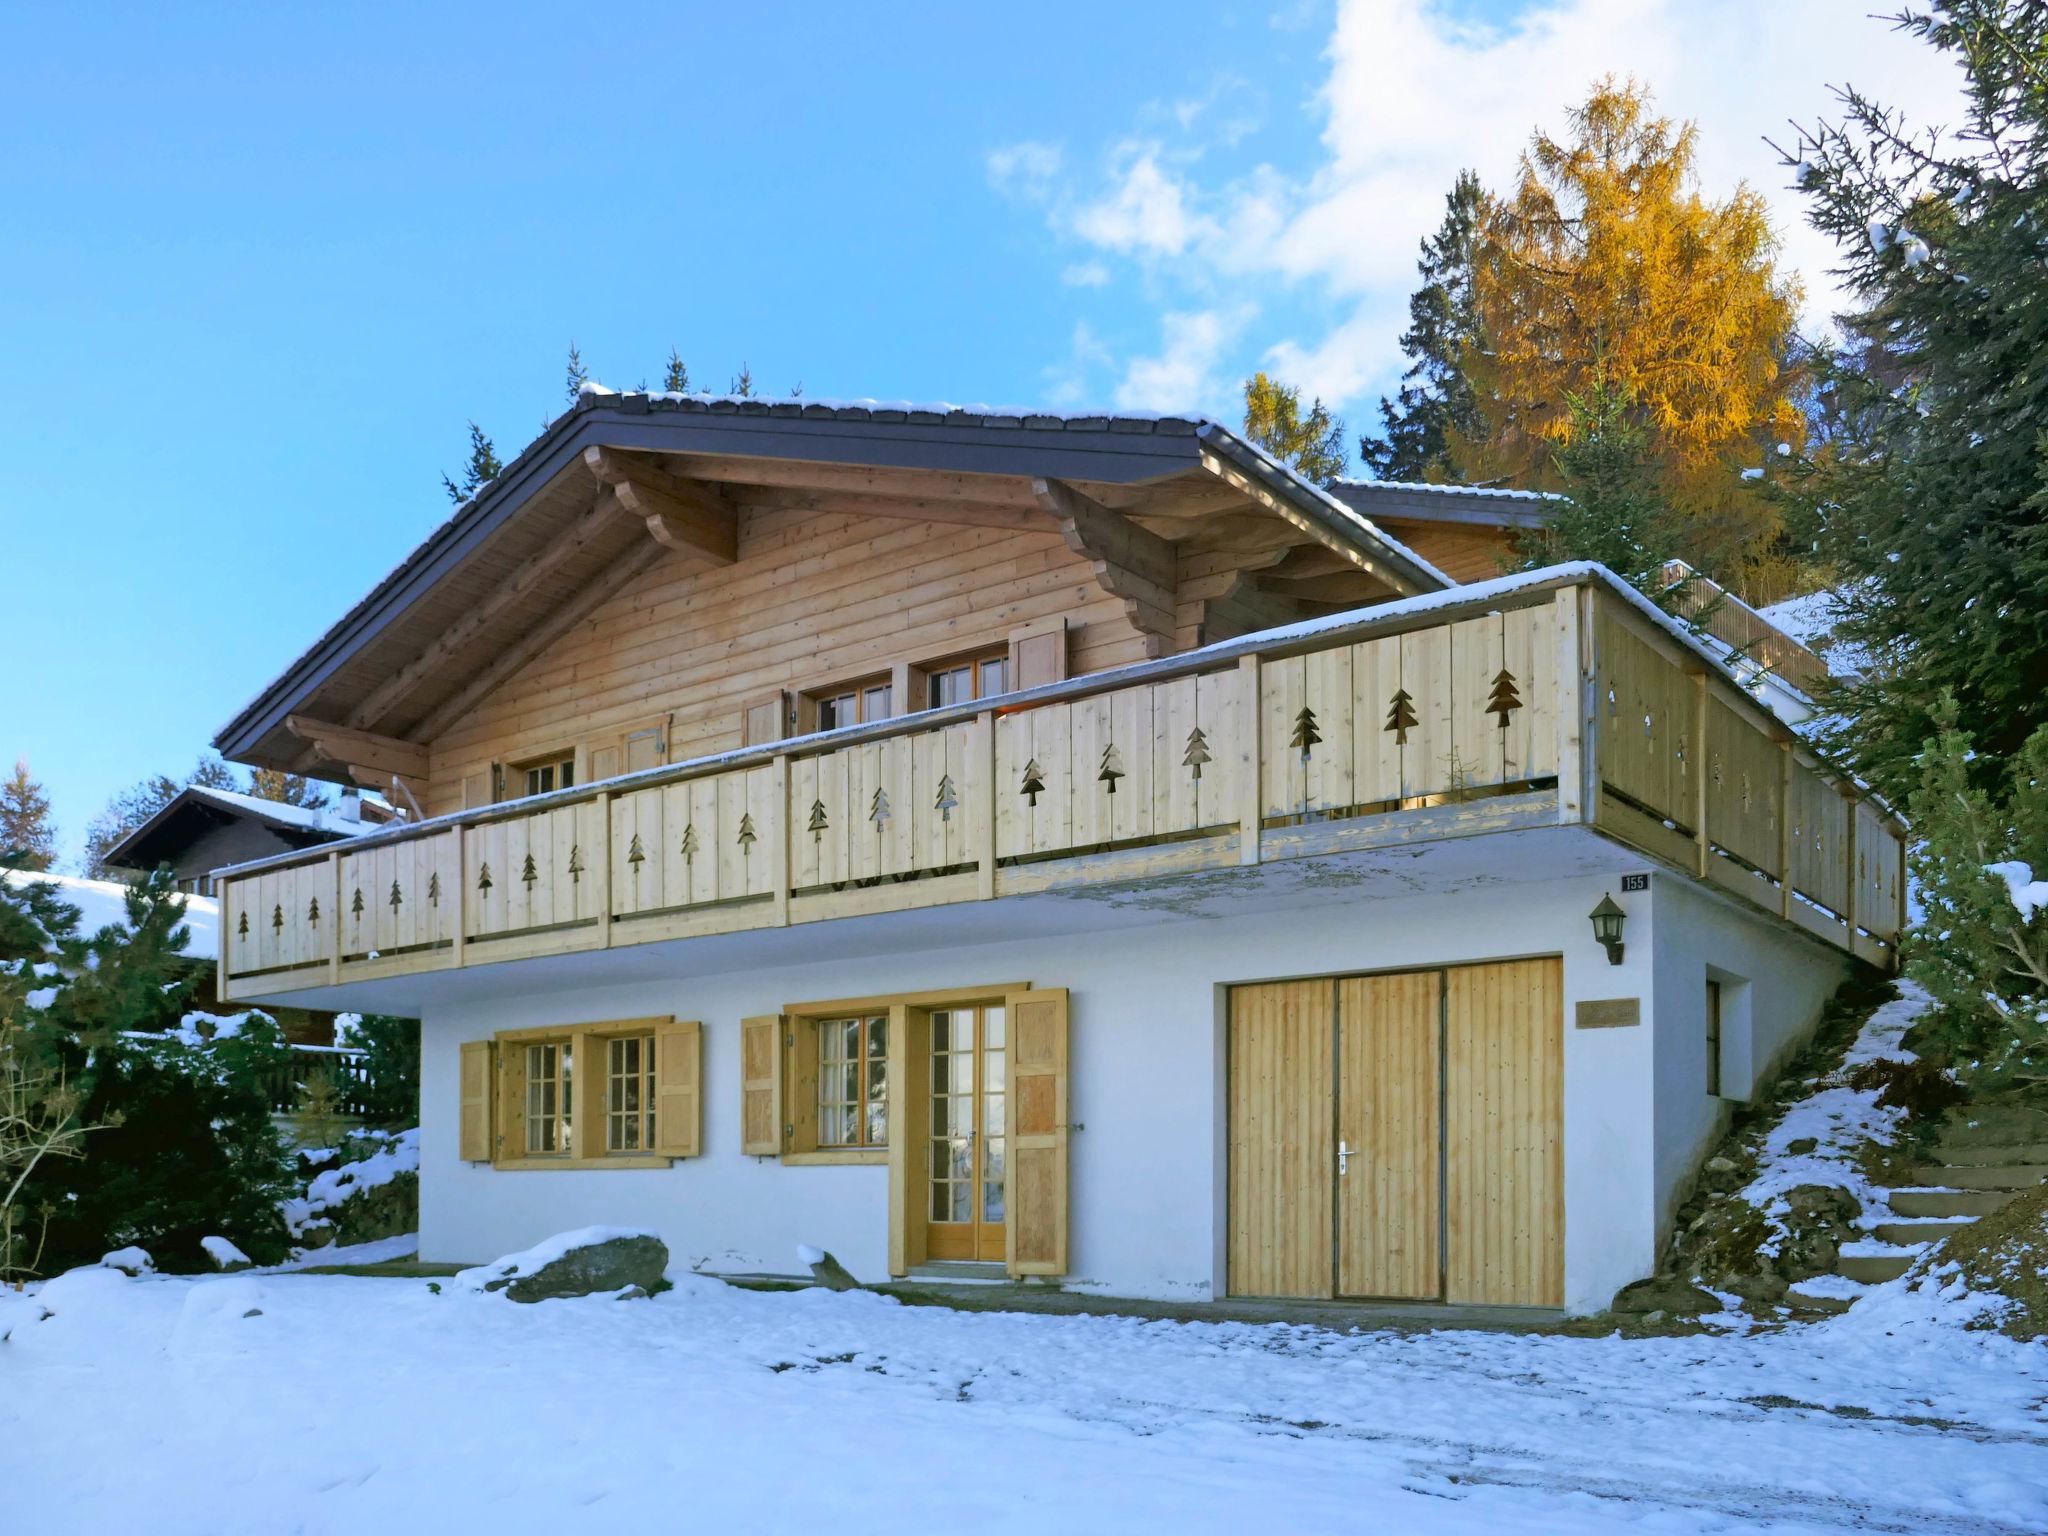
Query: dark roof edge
{"type": "Point", "coordinates": [194, 796]}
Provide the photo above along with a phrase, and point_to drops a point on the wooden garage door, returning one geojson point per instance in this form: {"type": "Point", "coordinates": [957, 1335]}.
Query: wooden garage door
{"type": "Point", "coordinates": [1399, 1136]}
{"type": "Point", "coordinates": [1503, 1134]}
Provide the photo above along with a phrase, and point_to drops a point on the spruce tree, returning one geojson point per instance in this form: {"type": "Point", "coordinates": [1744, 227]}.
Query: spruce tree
{"type": "Point", "coordinates": [743, 384]}
{"type": "Point", "coordinates": [287, 788]}
{"type": "Point", "coordinates": [576, 374]}
{"type": "Point", "coordinates": [483, 467]}
{"type": "Point", "coordinates": [677, 380]}
{"type": "Point", "coordinates": [1435, 400]}
{"type": "Point", "coordinates": [1930, 498]}
{"type": "Point", "coordinates": [28, 838]}
{"type": "Point", "coordinates": [1310, 442]}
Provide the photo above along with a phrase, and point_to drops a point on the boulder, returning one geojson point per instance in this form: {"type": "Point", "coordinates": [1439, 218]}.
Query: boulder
{"type": "Point", "coordinates": [591, 1262]}
{"type": "Point", "coordinates": [131, 1261]}
{"type": "Point", "coordinates": [226, 1257]}
{"type": "Point", "coordinates": [1664, 1294]}
{"type": "Point", "coordinates": [826, 1270]}
{"type": "Point", "coordinates": [1802, 1146]}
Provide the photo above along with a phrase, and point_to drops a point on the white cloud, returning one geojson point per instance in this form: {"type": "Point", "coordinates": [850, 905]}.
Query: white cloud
{"type": "Point", "coordinates": [1412, 96]}
{"type": "Point", "coordinates": [1186, 372]}
{"type": "Point", "coordinates": [1027, 168]}
{"type": "Point", "coordinates": [1085, 274]}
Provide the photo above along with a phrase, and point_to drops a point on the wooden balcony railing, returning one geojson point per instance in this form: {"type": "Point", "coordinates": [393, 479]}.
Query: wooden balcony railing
{"type": "Point", "coordinates": [1513, 704]}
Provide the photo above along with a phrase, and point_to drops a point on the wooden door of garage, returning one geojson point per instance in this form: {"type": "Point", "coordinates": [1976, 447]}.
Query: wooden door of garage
{"type": "Point", "coordinates": [1399, 1136]}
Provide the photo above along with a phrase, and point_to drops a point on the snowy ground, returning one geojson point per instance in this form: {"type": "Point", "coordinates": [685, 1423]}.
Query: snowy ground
{"type": "Point", "coordinates": [369, 1405]}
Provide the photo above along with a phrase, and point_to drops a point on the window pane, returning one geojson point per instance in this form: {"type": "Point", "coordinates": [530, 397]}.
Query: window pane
{"type": "Point", "coordinates": [568, 773]}
{"type": "Point", "coordinates": [875, 703]}
{"type": "Point", "coordinates": [995, 675]}
{"type": "Point", "coordinates": [953, 686]}
{"type": "Point", "coordinates": [878, 1038]}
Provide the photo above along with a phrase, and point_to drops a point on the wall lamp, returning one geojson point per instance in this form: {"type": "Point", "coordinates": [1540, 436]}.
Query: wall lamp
{"type": "Point", "coordinates": [1607, 919]}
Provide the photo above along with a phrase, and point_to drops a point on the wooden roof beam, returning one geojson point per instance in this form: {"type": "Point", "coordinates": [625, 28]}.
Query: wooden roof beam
{"type": "Point", "coordinates": [680, 514]}
{"type": "Point", "coordinates": [382, 756]}
{"type": "Point", "coordinates": [734, 470]}
{"type": "Point", "coordinates": [1231, 475]}
{"type": "Point", "coordinates": [968, 514]}
{"type": "Point", "coordinates": [1131, 563]}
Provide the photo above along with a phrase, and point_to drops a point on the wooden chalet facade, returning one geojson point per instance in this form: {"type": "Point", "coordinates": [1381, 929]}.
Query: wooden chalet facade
{"type": "Point", "coordinates": [1069, 847]}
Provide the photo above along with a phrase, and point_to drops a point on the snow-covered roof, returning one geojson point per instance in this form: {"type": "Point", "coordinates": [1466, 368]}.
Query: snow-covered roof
{"type": "Point", "coordinates": [171, 829]}
{"type": "Point", "coordinates": [329, 818]}
{"type": "Point", "coordinates": [104, 904]}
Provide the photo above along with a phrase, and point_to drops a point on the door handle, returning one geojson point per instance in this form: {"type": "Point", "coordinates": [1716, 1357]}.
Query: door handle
{"type": "Point", "coordinates": [1343, 1158]}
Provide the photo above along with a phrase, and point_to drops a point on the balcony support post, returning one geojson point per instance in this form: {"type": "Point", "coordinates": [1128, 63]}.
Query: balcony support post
{"type": "Point", "coordinates": [602, 872]}
{"type": "Point", "coordinates": [1572, 688]}
{"type": "Point", "coordinates": [779, 863]}
{"type": "Point", "coordinates": [334, 943]}
{"type": "Point", "coordinates": [985, 805]}
{"type": "Point", "coordinates": [1249, 798]}
{"type": "Point", "coordinates": [1785, 760]}
{"type": "Point", "coordinates": [461, 890]}
{"type": "Point", "coordinates": [1702, 849]}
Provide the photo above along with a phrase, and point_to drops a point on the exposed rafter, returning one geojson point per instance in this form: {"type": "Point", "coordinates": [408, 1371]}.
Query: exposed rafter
{"type": "Point", "coordinates": [371, 761]}
{"type": "Point", "coordinates": [970, 514]}
{"type": "Point", "coordinates": [856, 479]}
{"type": "Point", "coordinates": [1131, 562]}
{"type": "Point", "coordinates": [1231, 475]}
{"type": "Point", "coordinates": [564, 618]}
{"type": "Point", "coordinates": [680, 514]}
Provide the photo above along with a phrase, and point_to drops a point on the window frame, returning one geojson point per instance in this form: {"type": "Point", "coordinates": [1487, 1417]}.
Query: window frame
{"type": "Point", "coordinates": [588, 1095]}
{"type": "Point", "coordinates": [973, 662]}
{"type": "Point", "coordinates": [812, 701]}
{"type": "Point", "coordinates": [863, 1063]}
{"type": "Point", "coordinates": [560, 762]}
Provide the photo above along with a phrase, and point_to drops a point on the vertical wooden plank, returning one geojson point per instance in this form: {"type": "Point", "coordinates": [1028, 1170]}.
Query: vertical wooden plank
{"type": "Point", "coordinates": [1504, 1134]}
{"type": "Point", "coordinates": [1428, 765]}
{"type": "Point", "coordinates": [1249, 759]}
{"type": "Point", "coordinates": [1282, 683]}
{"type": "Point", "coordinates": [333, 883]}
{"type": "Point", "coordinates": [1328, 782]}
{"type": "Point", "coordinates": [1389, 1091]}
{"type": "Point", "coordinates": [1281, 1139]}
{"type": "Point", "coordinates": [600, 876]}
{"type": "Point", "coordinates": [778, 843]}
{"type": "Point", "coordinates": [1850, 882]}
{"type": "Point", "coordinates": [1376, 736]}
{"type": "Point", "coordinates": [981, 804]}
{"type": "Point", "coordinates": [1694, 760]}
{"type": "Point", "coordinates": [1478, 743]}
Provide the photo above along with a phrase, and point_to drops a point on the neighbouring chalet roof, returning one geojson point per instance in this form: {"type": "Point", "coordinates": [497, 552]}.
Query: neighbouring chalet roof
{"type": "Point", "coordinates": [1419, 501]}
{"type": "Point", "coordinates": [423, 645]}
{"type": "Point", "coordinates": [197, 808]}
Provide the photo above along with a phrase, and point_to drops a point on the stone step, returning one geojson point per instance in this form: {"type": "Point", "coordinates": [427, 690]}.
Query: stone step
{"type": "Point", "coordinates": [1817, 1301]}
{"type": "Point", "coordinates": [1994, 1126]}
{"type": "Point", "coordinates": [1874, 1268]}
{"type": "Point", "coordinates": [1904, 1234]}
{"type": "Point", "coordinates": [1990, 1154]}
{"type": "Point", "coordinates": [1948, 1202]}
{"type": "Point", "coordinates": [2015, 1176]}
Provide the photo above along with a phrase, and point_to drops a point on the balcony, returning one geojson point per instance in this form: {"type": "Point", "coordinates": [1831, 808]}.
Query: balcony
{"type": "Point", "coordinates": [1555, 700]}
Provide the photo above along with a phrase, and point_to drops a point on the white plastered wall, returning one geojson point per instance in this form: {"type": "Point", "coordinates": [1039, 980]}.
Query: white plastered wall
{"type": "Point", "coordinates": [1147, 1091]}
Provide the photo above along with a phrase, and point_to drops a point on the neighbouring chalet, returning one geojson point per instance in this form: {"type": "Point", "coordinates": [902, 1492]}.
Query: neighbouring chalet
{"type": "Point", "coordinates": [1069, 846]}
{"type": "Point", "coordinates": [200, 829]}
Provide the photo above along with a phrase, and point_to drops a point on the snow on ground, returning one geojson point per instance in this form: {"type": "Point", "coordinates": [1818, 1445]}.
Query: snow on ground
{"type": "Point", "coordinates": [329, 1404]}
{"type": "Point", "coordinates": [399, 1154]}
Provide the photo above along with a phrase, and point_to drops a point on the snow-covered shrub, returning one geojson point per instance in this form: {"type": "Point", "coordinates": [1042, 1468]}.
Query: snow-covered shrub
{"type": "Point", "coordinates": [373, 1192]}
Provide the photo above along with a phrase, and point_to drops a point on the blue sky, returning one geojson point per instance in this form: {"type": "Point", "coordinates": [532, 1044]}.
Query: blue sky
{"type": "Point", "coordinates": [260, 265]}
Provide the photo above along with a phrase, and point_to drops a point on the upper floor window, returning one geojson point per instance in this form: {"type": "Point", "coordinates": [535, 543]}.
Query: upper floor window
{"type": "Point", "coordinates": [855, 704]}
{"type": "Point", "coordinates": [545, 775]}
{"type": "Point", "coordinates": [967, 678]}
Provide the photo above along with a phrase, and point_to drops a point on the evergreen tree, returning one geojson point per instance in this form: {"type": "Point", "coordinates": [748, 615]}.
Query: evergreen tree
{"type": "Point", "coordinates": [135, 805]}
{"type": "Point", "coordinates": [1930, 496]}
{"type": "Point", "coordinates": [577, 374]}
{"type": "Point", "coordinates": [212, 773]}
{"type": "Point", "coordinates": [1606, 257]}
{"type": "Point", "coordinates": [391, 1068]}
{"type": "Point", "coordinates": [1311, 443]}
{"type": "Point", "coordinates": [677, 380]}
{"type": "Point", "coordinates": [482, 469]}
{"type": "Point", "coordinates": [743, 384]}
{"type": "Point", "coordinates": [1435, 402]}
{"type": "Point", "coordinates": [28, 838]}
{"type": "Point", "coordinates": [287, 788]}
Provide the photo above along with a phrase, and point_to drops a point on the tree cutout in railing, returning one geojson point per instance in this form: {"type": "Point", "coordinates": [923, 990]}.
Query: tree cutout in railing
{"type": "Point", "coordinates": [1305, 736]}
{"type": "Point", "coordinates": [1401, 716]}
{"type": "Point", "coordinates": [690, 842]}
{"type": "Point", "coordinates": [242, 927]}
{"type": "Point", "coordinates": [1197, 752]}
{"type": "Point", "coordinates": [1504, 700]}
{"type": "Point", "coordinates": [434, 889]}
{"type": "Point", "coordinates": [313, 911]}
{"type": "Point", "coordinates": [1034, 782]}
{"type": "Point", "coordinates": [635, 854]}
{"type": "Point", "coordinates": [575, 863]}
{"type": "Point", "coordinates": [819, 822]}
{"type": "Point", "coordinates": [1112, 767]}
{"type": "Point", "coordinates": [355, 905]}
{"type": "Point", "coordinates": [879, 810]}
{"type": "Point", "coordinates": [948, 799]}
{"type": "Point", "coordinates": [483, 879]}
{"type": "Point", "coordinates": [397, 898]}
{"type": "Point", "coordinates": [747, 833]}
{"type": "Point", "coordinates": [277, 918]}
{"type": "Point", "coordinates": [529, 872]}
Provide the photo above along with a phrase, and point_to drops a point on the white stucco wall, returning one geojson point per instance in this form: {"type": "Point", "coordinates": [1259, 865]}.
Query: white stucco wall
{"type": "Point", "coordinates": [1147, 1090]}
{"type": "Point", "coordinates": [1773, 983]}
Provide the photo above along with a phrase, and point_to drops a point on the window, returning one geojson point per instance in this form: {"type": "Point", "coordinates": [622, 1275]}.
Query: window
{"type": "Point", "coordinates": [629, 1093]}
{"type": "Point", "coordinates": [853, 1081]}
{"type": "Point", "coordinates": [556, 771]}
{"type": "Point", "coordinates": [550, 1122]}
{"type": "Point", "coordinates": [1714, 1039]}
{"type": "Point", "coordinates": [967, 678]}
{"type": "Point", "coordinates": [854, 704]}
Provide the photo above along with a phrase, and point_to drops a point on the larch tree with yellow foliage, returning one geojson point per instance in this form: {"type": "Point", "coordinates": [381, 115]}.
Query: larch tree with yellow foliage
{"type": "Point", "coordinates": [1608, 271]}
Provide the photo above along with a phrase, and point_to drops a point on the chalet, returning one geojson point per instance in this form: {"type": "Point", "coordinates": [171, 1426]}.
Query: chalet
{"type": "Point", "coordinates": [201, 828]}
{"type": "Point", "coordinates": [987, 843]}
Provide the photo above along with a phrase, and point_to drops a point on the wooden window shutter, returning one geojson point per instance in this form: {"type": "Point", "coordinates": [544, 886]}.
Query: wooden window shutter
{"type": "Point", "coordinates": [800, 1086]}
{"type": "Point", "coordinates": [646, 746]}
{"type": "Point", "coordinates": [499, 789]}
{"type": "Point", "coordinates": [1038, 654]}
{"type": "Point", "coordinates": [761, 1085]}
{"type": "Point", "coordinates": [1035, 1123]}
{"type": "Point", "coordinates": [477, 1092]}
{"type": "Point", "coordinates": [766, 720]}
{"type": "Point", "coordinates": [678, 1088]}
{"type": "Point", "coordinates": [476, 789]}
{"type": "Point", "coordinates": [601, 762]}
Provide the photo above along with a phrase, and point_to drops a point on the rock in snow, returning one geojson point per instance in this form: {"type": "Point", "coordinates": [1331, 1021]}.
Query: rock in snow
{"type": "Point", "coordinates": [587, 1262]}
{"type": "Point", "coordinates": [130, 1261]}
{"type": "Point", "coordinates": [225, 1255]}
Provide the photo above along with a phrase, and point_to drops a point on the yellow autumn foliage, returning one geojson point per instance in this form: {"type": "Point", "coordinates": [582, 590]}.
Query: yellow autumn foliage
{"type": "Point", "coordinates": [1607, 266]}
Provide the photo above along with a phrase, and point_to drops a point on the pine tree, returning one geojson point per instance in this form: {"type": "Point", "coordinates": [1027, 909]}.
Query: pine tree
{"type": "Point", "coordinates": [287, 788]}
{"type": "Point", "coordinates": [212, 773]}
{"type": "Point", "coordinates": [1933, 518]}
{"type": "Point", "coordinates": [577, 374]}
{"type": "Point", "coordinates": [743, 384]}
{"type": "Point", "coordinates": [1311, 443]}
{"type": "Point", "coordinates": [1607, 263]}
{"type": "Point", "coordinates": [677, 380]}
{"type": "Point", "coordinates": [1435, 402]}
{"type": "Point", "coordinates": [28, 838]}
{"type": "Point", "coordinates": [482, 469]}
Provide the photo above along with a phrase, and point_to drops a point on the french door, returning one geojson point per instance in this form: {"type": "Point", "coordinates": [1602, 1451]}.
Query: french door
{"type": "Point", "coordinates": [967, 1174]}
{"type": "Point", "coordinates": [1399, 1136]}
